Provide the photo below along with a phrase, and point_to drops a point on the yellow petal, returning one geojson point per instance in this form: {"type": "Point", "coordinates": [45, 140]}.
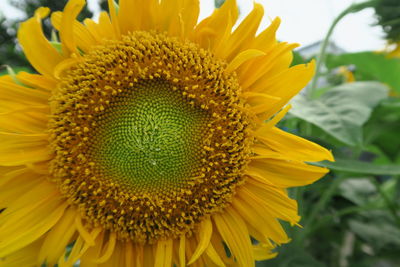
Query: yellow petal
{"type": "Point", "coordinates": [83, 37]}
{"type": "Point", "coordinates": [58, 238]}
{"type": "Point", "coordinates": [286, 84]}
{"type": "Point", "coordinates": [40, 53]}
{"type": "Point", "coordinates": [235, 234]}
{"type": "Point", "coordinates": [67, 32]}
{"type": "Point", "coordinates": [190, 14]}
{"type": "Point", "coordinates": [182, 260]}
{"type": "Point", "coordinates": [276, 60]}
{"type": "Point", "coordinates": [163, 257]}
{"type": "Point", "coordinates": [213, 255]}
{"type": "Point", "coordinates": [292, 146]}
{"type": "Point", "coordinates": [244, 34]}
{"type": "Point", "coordinates": [93, 253]}
{"type": "Point", "coordinates": [23, 257]}
{"type": "Point", "coordinates": [114, 18]}
{"type": "Point", "coordinates": [104, 30]}
{"type": "Point", "coordinates": [83, 232]}
{"type": "Point", "coordinates": [211, 30]}
{"type": "Point", "coordinates": [129, 253]}
{"type": "Point", "coordinates": [32, 226]}
{"type": "Point", "coordinates": [36, 81]}
{"type": "Point", "coordinates": [262, 254]}
{"type": "Point", "coordinates": [204, 234]}
{"type": "Point", "coordinates": [266, 38]}
{"type": "Point", "coordinates": [264, 223]}
{"type": "Point", "coordinates": [138, 15]}
{"type": "Point", "coordinates": [287, 173]}
{"type": "Point", "coordinates": [270, 200]}
{"type": "Point", "coordinates": [9, 90]}
{"type": "Point", "coordinates": [243, 57]}
{"type": "Point", "coordinates": [260, 103]}
{"type": "Point", "coordinates": [109, 248]}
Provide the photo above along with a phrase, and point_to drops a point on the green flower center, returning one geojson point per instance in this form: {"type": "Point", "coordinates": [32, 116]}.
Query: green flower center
{"type": "Point", "coordinates": [149, 139]}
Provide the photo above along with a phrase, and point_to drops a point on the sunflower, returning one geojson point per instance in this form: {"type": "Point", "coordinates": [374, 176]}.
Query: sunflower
{"type": "Point", "coordinates": [147, 139]}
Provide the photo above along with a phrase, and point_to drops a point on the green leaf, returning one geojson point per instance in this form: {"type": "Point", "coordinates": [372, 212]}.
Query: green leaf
{"type": "Point", "coordinates": [383, 127]}
{"type": "Point", "coordinates": [358, 190]}
{"type": "Point", "coordinates": [291, 255]}
{"type": "Point", "coordinates": [297, 59]}
{"type": "Point", "coordinates": [370, 66]}
{"type": "Point", "coordinates": [377, 228]}
{"type": "Point", "coordinates": [360, 167]}
{"type": "Point", "coordinates": [342, 110]}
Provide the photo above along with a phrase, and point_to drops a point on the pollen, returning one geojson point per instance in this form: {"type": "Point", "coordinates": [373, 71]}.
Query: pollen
{"type": "Point", "coordinates": [149, 136]}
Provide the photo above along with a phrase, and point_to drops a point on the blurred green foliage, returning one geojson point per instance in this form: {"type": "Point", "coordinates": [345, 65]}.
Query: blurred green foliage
{"type": "Point", "coordinates": [388, 13]}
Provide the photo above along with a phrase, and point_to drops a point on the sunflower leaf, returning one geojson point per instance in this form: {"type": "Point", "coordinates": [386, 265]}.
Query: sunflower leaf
{"type": "Point", "coordinates": [370, 66]}
{"type": "Point", "coordinates": [342, 110]}
{"type": "Point", "coordinates": [360, 167]}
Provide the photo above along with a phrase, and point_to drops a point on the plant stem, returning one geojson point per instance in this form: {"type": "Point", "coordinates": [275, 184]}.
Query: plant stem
{"type": "Point", "coordinates": [322, 53]}
{"type": "Point", "coordinates": [325, 198]}
{"type": "Point", "coordinates": [391, 206]}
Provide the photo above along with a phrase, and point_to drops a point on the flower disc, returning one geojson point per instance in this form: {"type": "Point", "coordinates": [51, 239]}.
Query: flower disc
{"type": "Point", "coordinates": [149, 139]}
{"type": "Point", "coordinates": [149, 136]}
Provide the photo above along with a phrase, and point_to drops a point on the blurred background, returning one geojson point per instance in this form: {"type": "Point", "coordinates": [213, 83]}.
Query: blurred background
{"type": "Point", "coordinates": [351, 218]}
{"type": "Point", "coordinates": [304, 22]}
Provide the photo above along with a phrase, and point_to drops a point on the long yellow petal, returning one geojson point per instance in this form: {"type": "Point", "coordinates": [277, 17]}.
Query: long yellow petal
{"type": "Point", "coordinates": [213, 255]}
{"type": "Point", "coordinates": [244, 34]}
{"type": "Point", "coordinates": [83, 37]}
{"type": "Point", "coordinates": [209, 32]}
{"type": "Point", "coordinates": [286, 173]}
{"type": "Point", "coordinates": [40, 53]}
{"type": "Point", "coordinates": [104, 30]}
{"type": "Point", "coordinates": [129, 253]}
{"type": "Point", "coordinates": [270, 201]}
{"type": "Point", "coordinates": [204, 234]}
{"type": "Point", "coordinates": [110, 246]}
{"type": "Point", "coordinates": [276, 60]}
{"type": "Point", "coordinates": [243, 57]}
{"type": "Point", "coordinates": [262, 222]}
{"type": "Point", "coordinates": [34, 226]}
{"type": "Point", "coordinates": [286, 84]}
{"type": "Point", "coordinates": [182, 259]}
{"type": "Point", "coordinates": [93, 253]}
{"type": "Point", "coordinates": [114, 18]}
{"type": "Point", "coordinates": [262, 254]}
{"type": "Point", "coordinates": [267, 38]}
{"type": "Point", "coordinates": [58, 238]}
{"type": "Point", "coordinates": [234, 232]}
{"type": "Point", "coordinates": [9, 90]}
{"type": "Point", "coordinates": [300, 148]}
{"type": "Point", "coordinates": [67, 32]}
{"type": "Point", "coordinates": [23, 257]}
{"type": "Point", "coordinates": [190, 14]}
{"type": "Point", "coordinates": [37, 81]}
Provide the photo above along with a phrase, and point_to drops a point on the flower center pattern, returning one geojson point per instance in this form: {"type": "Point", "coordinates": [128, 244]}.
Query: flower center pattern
{"type": "Point", "coordinates": [149, 136]}
{"type": "Point", "coordinates": [150, 139]}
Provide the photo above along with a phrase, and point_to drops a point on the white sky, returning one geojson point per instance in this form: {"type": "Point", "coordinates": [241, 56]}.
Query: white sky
{"type": "Point", "coordinates": [303, 21]}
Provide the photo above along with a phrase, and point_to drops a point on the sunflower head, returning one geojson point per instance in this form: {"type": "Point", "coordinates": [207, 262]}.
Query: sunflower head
{"type": "Point", "coordinates": [137, 124]}
{"type": "Point", "coordinates": [149, 139]}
